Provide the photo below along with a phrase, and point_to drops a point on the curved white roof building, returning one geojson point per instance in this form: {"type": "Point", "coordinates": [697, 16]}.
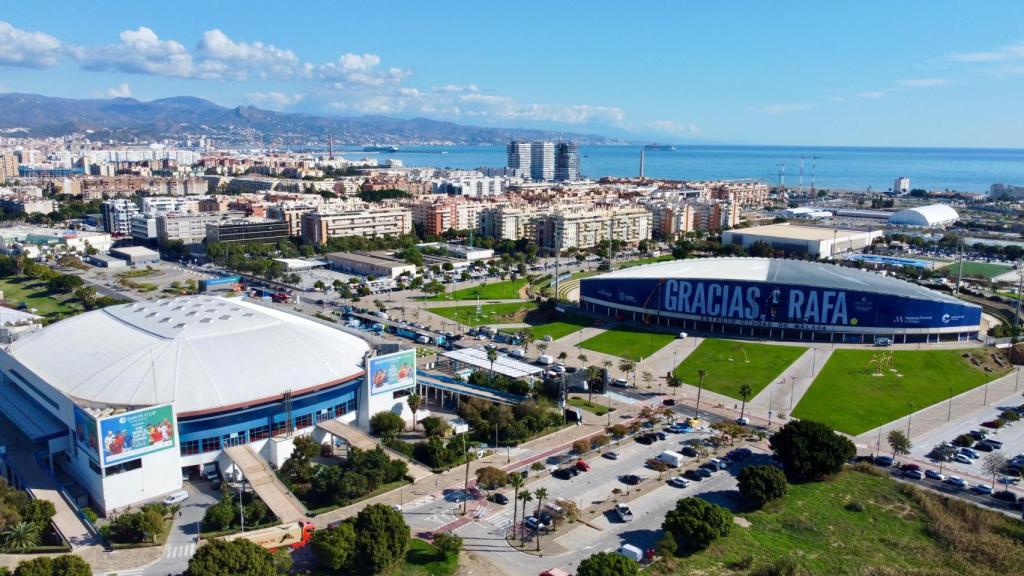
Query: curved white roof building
{"type": "Point", "coordinates": [205, 354]}
{"type": "Point", "coordinates": [931, 215]}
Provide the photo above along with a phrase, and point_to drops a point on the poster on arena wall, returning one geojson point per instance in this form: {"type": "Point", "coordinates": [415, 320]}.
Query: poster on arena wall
{"type": "Point", "coordinates": [133, 434]}
{"type": "Point", "coordinates": [86, 434]}
{"type": "Point", "coordinates": [392, 372]}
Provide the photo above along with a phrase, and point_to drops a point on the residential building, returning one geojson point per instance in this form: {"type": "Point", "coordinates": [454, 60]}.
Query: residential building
{"type": "Point", "coordinates": [446, 213]}
{"type": "Point", "coordinates": [519, 157]}
{"type": "Point", "coordinates": [242, 230]}
{"type": "Point", "coordinates": [901, 185]}
{"type": "Point", "coordinates": [318, 227]}
{"type": "Point", "coordinates": [587, 227]}
{"type": "Point", "coordinates": [542, 161]}
{"type": "Point", "coordinates": [188, 228]}
{"type": "Point", "coordinates": [8, 165]}
{"type": "Point", "coordinates": [291, 215]}
{"type": "Point", "coordinates": [507, 223]}
{"type": "Point", "coordinates": [117, 216]}
{"type": "Point", "coordinates": [567, 162]}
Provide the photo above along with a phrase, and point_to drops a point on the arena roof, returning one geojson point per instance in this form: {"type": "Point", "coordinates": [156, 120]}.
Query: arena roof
{"type": "Point", "coordinates": [797, 272]}
{"type": "Point", "coordinates": [931, 215]}
{"type": "Point", "coordinates": [793, 232]}
{"type": "Point", "coordinates": [203, 353]}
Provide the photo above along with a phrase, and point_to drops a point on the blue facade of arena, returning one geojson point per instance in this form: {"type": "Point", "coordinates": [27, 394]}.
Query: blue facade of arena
{"type": "Point", "coordinates": [780, 311]}
{"type": "Point", "coordinates": [209, 433]}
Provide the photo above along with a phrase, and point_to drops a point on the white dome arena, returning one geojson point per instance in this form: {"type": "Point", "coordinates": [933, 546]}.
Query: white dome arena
{"type": "Point", "coordinates": [206, 354]}
{"type": "Point", "coordinates": [931, 215]}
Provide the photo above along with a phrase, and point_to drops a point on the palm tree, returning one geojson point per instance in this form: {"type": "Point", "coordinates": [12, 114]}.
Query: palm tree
{"type": "Point", "coordinates": [700, 388]}
{"type": "Point", "coordinates": [593, 373]}
{"type": "Point", "coordinates": [21, 536]}
{"type": "Point", "coordinates": [583, 360]}
{"type": "Point", "coordinates": [492, 356]}
{"type": "Point", "coordinates": [541, 493]}
{"type": "Point", "coordinates": [525, 496]}
{"type": "Point", "coordinates": [626, 366]}
{"type": "Point", "coordinates": [528, 338]}
{"type": "Point", "coordinates": [415, 402]}
{"type": "Point", "coordinates": [516, 481]}
{"type": "Point", "coordinates": [745, 392]}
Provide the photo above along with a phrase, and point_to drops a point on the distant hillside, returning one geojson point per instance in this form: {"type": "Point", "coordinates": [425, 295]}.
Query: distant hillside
{"type": "Point", "coordinates": [186, 116]}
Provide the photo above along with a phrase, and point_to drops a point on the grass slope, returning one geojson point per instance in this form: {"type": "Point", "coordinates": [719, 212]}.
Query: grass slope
{"type": "Point", "coordinates": [766, 362]}
{"type": "Point", "coordinates": [848, 396]}
{"type": "Point", "coordinates": [505, 313]}
{"type": "Point", "coordinates": [508, 289]}
{"type": "Point", "coordinates": [977, 269]}
{"type": "Point", "coordinates": [35, 294]}
{"type": "Point", "coordinates": [901, 530]}
{"type": "Point", "coordinates": [632, 343]}
{"type": "Point", "coordinates": [422, 559]}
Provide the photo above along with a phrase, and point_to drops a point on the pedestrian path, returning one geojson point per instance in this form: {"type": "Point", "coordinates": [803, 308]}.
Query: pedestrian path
{"type": "Point", "coordinates": [265, 483]}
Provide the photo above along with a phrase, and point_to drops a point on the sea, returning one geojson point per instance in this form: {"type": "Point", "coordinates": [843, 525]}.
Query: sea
{"type": "Point", "coordinates": [836, 168]}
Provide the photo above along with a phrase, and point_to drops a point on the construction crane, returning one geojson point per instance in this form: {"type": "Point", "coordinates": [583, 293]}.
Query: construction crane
{"type": "Point", "coordinates": [814, 160]}
{"type": "Point", "coordinates": [782, 174]}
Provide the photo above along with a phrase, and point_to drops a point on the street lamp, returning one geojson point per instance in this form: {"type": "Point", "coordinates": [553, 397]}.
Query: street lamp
{"type": "Point", "coordinates": [700, 388]}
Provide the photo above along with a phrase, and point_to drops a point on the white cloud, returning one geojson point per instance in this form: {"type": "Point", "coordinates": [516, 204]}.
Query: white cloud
{"type": "Point", "coordinates": [122, 90]}
{"type": "Point", "coordinates": [873, 94]}
{"type": "Point", "coordinates": [27, 49]}
{"type": "Point", "coordinates": [410, 92]}
{"type": "Point", "coordinates": [456, 88]}
{"type": "Point", "coordinates": [673, 127]}
{"type": "Point", "coordinates": [924, 82]}
{"type": "Point", "coordinates": [4, 89]}
{"type": "Point", "coordinates": [223, 57]}
{"type": "Point", "coordinates": [1004, 53]}
{"type": "Point", "coordinates": [275, 100]}
{"type": "Point", "coordinates": [139, 52]}
{"type": "Point", "coordinates": [360, 70]}
{"type": "Point", "coordinates": [783, 108]}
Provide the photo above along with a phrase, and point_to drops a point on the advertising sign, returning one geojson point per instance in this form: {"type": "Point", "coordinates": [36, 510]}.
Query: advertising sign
{"type": "Point", "coordinates": [134, 434]}
{"type": "Point", "coordinates": [86, 434]}
{"type": "Point", "coordinates": [780, 305]}
{"type": "Point", "coordinates": [392, 372]}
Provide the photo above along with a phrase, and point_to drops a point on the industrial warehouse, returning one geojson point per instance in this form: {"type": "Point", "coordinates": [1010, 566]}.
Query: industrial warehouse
{"type": "Point", "coordinates": [780, 300]}
{"type": "Point", "coordinates": [129, 398]}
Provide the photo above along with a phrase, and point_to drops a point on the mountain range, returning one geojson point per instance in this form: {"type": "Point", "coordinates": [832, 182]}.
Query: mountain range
{"type": "Point", "coordinates": [183, 116]}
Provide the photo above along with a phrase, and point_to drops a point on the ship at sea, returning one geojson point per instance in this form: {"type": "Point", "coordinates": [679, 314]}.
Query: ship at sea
{"type": "Point", "coordinates": [380, 148]}
{"type": "Point", "coordinates": [660, 147]}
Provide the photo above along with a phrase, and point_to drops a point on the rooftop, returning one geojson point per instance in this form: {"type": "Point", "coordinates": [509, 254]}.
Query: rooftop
{"type": "Point", "coordinates": [795, 272]}
{"type": "Point", "coordinates": [797, 232]}
{"type": "Point", "coordinates": [203, 353]}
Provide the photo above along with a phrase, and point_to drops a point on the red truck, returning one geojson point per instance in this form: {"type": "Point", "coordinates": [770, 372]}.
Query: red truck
{"type": "Point", "coordinates": [281, 298]}
{"type": "Point", "coordinates": [294, 535]}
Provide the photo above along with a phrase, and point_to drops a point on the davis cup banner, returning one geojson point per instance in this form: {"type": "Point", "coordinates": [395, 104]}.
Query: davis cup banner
{"type": "Point", "coordinates": [133, 434]}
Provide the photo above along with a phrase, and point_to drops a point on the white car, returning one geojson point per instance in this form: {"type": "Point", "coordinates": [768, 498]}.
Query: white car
{"type": "Point", "coordinates": [956, 481]}
{"type": "Point", "coordinates": [679, 482]}
{"type": "Point", "coordinates": [176, 497]}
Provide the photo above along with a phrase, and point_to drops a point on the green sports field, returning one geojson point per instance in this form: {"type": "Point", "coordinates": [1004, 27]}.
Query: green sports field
{"type": "Point", "coordinates": [509, 289]}
{"type": "Point", "coordinates": [34, 293]}
{"type": "Point", "coordinates": [977, 269]}
{"type": "Point", "coordinates": [848, 396]}
{"type": "Point", "coordinates": [632, 343]}
{"type": "Point", "coordinates": [730, 363]}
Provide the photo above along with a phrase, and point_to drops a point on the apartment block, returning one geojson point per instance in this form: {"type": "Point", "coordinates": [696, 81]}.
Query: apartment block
{"type": "Point", "coordinates": [244, 230]}
{"type": "Point", "coordinates": [318, 227]}
{"type": "Point", "coordinates": [586, 228]}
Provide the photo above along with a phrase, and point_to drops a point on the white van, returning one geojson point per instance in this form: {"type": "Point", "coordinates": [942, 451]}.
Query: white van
{"type": "Point", "coordinates": [554, 509]}
{"type": "Point", "coordinates": [176, 497]}
{"type": "Point", "coordinates": [632, 552]}
{"type": "Point", "coordinates": [545, 360]}
{"type": "Point", "coordinates": [517, 353]}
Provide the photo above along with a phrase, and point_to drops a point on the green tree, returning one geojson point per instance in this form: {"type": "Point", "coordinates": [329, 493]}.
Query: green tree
{"type": "Point", "coordinates": [593, 377]}
{"type": "Point", "coordinates": [492, 357]}
{"type": "Point", "coordinates": [490, 478]}
{"type": "Point", "coordinates": [382, 538]}
{"type": "Point", "coordinates": [71, 565]}
{"type": "Point", "coordinates": [64, 283]}
{"type": "Point", "coordinates": [541, 494]}
{"type": "Point", "coordinates": [415, 402]}
{"type": "Point", "coordinates": [386, 424]}
{"type": "Point", "coordinates": [448, 544]}
{"type": "Point", "coordinates": [762, 484]}
{"type": "Point", "coordinates": [899, 443]}
{"type": "Point", "coordinates": [526, 496]}
{"type": "Point", "coordinates": [335, 547]}
{"type": "Point", "coordinates": [695, 522]}
{"type": "Point", "coordinates": [234, 558]}
{"type": "Point", "coordinates": [516, 481]}
{"type": "Point", "coordinates": [608, 564]}
{"type": "Point", "coordinates": [810, 450]}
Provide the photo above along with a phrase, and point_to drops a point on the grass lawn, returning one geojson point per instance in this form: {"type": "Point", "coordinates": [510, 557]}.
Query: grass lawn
{"type": "Point", "coordinates": [982, 269]}
{"type": "Point", "coordinates": [848, 396]}
{"type": "Point", "coordinates": [505, 313]}
{"type": "Point", "coordinates": [423, 559]}
{"type": "Point", "coordinates": [899, 531]}
{"type": "Point", "coordinates": [592, 407]}
{"type": "Point", "coordinates": [642, 261]}
{"type": "Point", "coordinates": [632, 343]}
{"type": "Point", "coordinates": [765, 364]}
{"type": "Point", "coordinates": [557, 329]}
{"type": "Point", "coordinates": [491, 291]}
{"type": "Point", "coordinates": [35, 294]}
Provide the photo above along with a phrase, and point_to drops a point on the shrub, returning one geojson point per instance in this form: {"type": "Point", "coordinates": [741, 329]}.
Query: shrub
{"type": "Point", "coordinates": [448, 544]}
{"type": "Point", "coordinates": [963, 441]}
{"type": "Point", "coordinates": [696, 522]}
{"type": "Point", "coordinates": [1009, 416]}
{"type": "Point", "coordinates": [811, 450]}
{"type": "Point", "coordinates": [608, 564]}
{"type": "Point", "coordinates": [854, 507]}
{"type": "Point", "coordinates": [762, 484]}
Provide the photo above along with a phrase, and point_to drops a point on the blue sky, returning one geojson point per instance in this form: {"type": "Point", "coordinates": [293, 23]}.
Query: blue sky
{"type": "Point", "coordinates": [872, 73]}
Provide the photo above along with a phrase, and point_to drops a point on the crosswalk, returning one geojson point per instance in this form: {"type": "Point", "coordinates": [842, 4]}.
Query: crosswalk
{"type": "Point", "coordinates": [180, 550]}
{"type": "Point", "coordinates": [501, 521]}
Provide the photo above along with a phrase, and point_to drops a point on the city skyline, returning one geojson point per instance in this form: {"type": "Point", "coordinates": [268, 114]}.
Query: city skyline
{"type": "Point", "coordinates": [738, 73]}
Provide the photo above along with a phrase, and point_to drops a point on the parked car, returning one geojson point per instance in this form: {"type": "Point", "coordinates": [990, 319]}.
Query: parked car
{"type": "Point", "coordinates": [688, 451]}
{"type": "Point", "coordinates": [679, 482]}
{"type": "Point", "coordinates": [692, 474]}
{"type": "Point", "coordinates": [668, 402]}
{"type": "Point", "coordinates": [176, 497]}
{"type": "Point", "coordinates": [704, 472]}
{"type": "Point", "coordinates": [984, 446]}
{"type": "Point", "coordinates": [632, 479]}
{"type": "Point", "coordinates": [962, 459]}
{"type": "Point", "coordinates": [978, 434]}
{"type": "Point", "coordinates": [744, 421]}
{"type": "Point", "coordinates": [981, 489]}
{"type": "Point", "coordinates": [934, 475]}
{"type": "Point", "coordinates": [915, 474]}
{"type": "Point", "coordinates": [533, 524]}
{"type": "Point", "coordinates": [582, 466]}
{"type": "Point", "coordinates": [1005, 496]}
{"type": "Point", "coordinates": [661, 436]}
{"type": "Point", "coordinates": [883, 342]}
{"type": "Point", "coordinates": [885, 461]}
{"type": "Point", "coordinates": [611, 455]}
{"type": "Point", "coordinates": [625, 514]}
{"type": "Point", "coordinates": [996, 444]}
{"type": "Point", "coordinates": [499, 498]}
{"type": "Point", "coordinates": [620, 383]}
{"type": "Point", "coordinates": [969, 453]}
{"type": "Point", "coordinates": [957, 482]}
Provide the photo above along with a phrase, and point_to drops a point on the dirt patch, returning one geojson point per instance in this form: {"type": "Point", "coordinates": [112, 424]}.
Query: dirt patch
{"type": "Point", "coordinates": [987, 360]}
{"type": "Point", "coordinates": [471, 564]}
